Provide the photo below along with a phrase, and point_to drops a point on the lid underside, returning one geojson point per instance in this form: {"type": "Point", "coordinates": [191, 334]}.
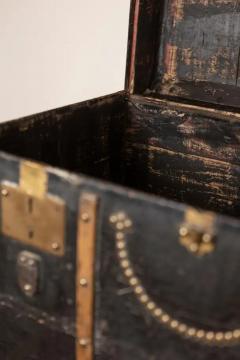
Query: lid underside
{"type": "Point", "coordinates": [188, 49]}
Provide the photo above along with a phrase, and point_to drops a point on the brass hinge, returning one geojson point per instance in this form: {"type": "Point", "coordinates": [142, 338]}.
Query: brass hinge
{"type": "Point", "coordinates": [85, 264]}
{"type": "Point", "coordinates": [197, 233]}
{"type": "Point", "coordinates": [31, 215]}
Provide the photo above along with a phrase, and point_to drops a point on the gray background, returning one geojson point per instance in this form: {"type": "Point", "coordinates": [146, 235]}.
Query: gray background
{"type": "Point", "coordinates": [57, 52]}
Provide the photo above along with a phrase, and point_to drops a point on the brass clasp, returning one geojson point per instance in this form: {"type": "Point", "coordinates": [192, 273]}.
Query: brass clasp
{"type": "Point", "coordinates": [197, 233]}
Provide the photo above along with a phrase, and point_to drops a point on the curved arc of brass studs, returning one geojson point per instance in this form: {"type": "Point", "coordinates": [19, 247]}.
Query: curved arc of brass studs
{"type": "Point", "coordinates": [122, 223]}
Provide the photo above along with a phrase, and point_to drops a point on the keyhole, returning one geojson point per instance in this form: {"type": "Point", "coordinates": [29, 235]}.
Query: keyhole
{"type": "Point", "coordinates": [30, 234]}
{"type": "Point", "coordinates": [30, 210]}
{"type": "Point", "coordinates": [30, 205]}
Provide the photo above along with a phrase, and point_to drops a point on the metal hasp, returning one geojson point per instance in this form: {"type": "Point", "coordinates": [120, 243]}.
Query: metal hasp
{"type": "Point", "coordinates": [85, 265]}
{"type": "Point", "coordinates": [197, 233]}
{"type": "Point", "coordinates": [31, 215]}
{"type": "Point", "coordinates": [28, 273]}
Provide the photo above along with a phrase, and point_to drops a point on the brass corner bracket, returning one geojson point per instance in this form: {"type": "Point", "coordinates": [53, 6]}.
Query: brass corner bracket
{"type": "Point", "coordinates": [197, 233]}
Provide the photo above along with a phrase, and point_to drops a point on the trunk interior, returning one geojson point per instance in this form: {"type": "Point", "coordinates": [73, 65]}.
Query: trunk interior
{"type": "Point", "coordinates": [180, 152]}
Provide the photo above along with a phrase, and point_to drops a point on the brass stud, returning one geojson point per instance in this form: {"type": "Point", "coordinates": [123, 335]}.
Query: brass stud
{"type": "Point", "coordinates": [219, 336]}
{"type": "Point", "coordinates": [119, 236]}
{"type": "Point", "coordinates": [144, 298]}
{"type": "Point", "coordinates": [120, 245]}
{"type": "Point", "coordinates": [128, 223]}
{"type": "Point", "coordinates": [27, 287]}
{"type": "Point", "coordinates": [138, 290]}
{"type": "Point", "coordinates": [236, 334]}
{"type": "Point", "coordinates": [191, 332]}
{"type": "Point", "coordinates": [83, 282]}
{"type": "Point", "coordinates": [151, 305]}
{"type": "Point", "coordinates": [85, 217]}
{"type": "Point", "coordinates": [120, 226]}
{"type": "Point", "coordinates": [133, 281]}
{"type": "Point", "coordinates": [182, 328]}
{"type": "Point", "coordinates": [84, 342]}
{"type": "Point", "coordinates": [200, 334]}
{"type": "Point", "coordinates": [228, 335]}
{"type": "Point", "coordinates": [5, 192]}
{"type": "Point", "coordinates": [158, 312]}
{"type": "Point", "coordinates": [121, 216]}
{"type": "Point", "coordinates": [55, 246]}
{"type": "Point", "coordinates": [128, 272]}
{"type": "Point", "coordinates": [23, 259]}
{"type": "Point", "coordinates": [174, 324]}
{"type": "Point", "coordinates": [165, 318]}
{"type": "Point", "coordinates": [210, 335]}
{"type": "Point", "coordinates": [113, 219]}
{"type": "Point", "coordinates": [122, 254]}
{"type": "Point", "coordinates": [125, 264]}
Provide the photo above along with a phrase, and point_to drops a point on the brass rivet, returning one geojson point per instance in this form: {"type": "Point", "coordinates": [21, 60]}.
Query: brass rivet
{"type": "Point", "coordinates": [85, 217]}
{"type": "Point", "coordinates": [4, 192]}
{"type": "Point", "coordinates": [84, 342]}
{"type": "Point", "coordinates": [83, 282]}
{"type": "Point", "coordinates": [55, 246]}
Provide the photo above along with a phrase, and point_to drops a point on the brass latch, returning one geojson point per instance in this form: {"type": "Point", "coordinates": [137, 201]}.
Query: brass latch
{"type": "Point", "coordinates": [197, 233]}
{"type": "Point", "coordinates": [30, 214]}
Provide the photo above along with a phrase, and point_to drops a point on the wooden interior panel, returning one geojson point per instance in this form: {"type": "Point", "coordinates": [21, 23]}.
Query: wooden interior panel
{"type": "Point", "coordinates": [199, 52]}
{"type": "Point", "coordinates": [187, 49]}
{"type": "Point", "coordinates": [181, 152]}
{"type": "Point", "coordinates": [184, 155]}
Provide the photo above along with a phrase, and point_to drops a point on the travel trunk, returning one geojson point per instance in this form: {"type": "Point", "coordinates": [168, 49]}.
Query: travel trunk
{"type": "Point", "coordinates": [120, 215]}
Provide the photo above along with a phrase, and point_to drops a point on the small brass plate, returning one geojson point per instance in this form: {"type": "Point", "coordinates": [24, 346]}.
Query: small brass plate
{"type": "Point", "coordinates": [35, 221]}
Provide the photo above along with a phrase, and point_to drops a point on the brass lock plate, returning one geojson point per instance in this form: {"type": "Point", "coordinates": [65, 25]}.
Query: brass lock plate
{"type": "Point", "coordinates": [33, 220]}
